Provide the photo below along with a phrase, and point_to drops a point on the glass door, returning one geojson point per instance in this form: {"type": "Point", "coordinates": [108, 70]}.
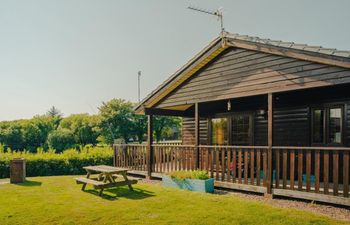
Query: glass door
{"type": "Point", "coordinates": [219, 131]}
{"type": "Point", "coordinates": [242, 130]}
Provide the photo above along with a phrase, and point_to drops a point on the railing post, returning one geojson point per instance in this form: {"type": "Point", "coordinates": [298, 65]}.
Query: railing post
{"type": "Point", "coordinates": [149, 146]}
{"type": "Point", "coordinates": [196, 144]}
{"type": "Point", "coordinates": [270, 142]}
{"type": "Point", "coordinates": [115, 155]}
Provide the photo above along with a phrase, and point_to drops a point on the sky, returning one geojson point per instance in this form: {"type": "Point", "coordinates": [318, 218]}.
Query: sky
{"type": "Point", "coordinates": [76, 54]}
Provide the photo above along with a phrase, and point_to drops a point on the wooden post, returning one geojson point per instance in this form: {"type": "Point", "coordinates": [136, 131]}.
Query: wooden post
{"type": "Point", "coordinates": [114, 155]}
{"type": "Point", "coordinates": [196, 112]}
{"type": "Point", "coordinates": [149, 146]}
{"type": "Point", "coordinates": [269, 143]}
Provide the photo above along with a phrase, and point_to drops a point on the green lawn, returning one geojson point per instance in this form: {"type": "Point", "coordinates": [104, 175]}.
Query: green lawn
{"type": "Point", "coordinates": [58, 200]}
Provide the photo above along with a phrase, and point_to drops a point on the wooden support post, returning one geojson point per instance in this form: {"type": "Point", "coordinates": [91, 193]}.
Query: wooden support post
{"type": "Point", "coordinates": [114, 156]}
{"type": "Point", "coordinates": [197, 121]}
{"type": "Point", "coordinates": [270, 142]}
{"type": "Point", "coordinates": [149, 146]}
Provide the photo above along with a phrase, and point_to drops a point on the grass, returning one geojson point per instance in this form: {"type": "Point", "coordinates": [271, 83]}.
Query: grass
{"type": "Point", "coordinates": [58, 200]}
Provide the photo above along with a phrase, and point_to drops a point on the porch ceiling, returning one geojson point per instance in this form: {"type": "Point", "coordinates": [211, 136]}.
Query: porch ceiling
{"type": "Point", "coordinates": [179, 107]}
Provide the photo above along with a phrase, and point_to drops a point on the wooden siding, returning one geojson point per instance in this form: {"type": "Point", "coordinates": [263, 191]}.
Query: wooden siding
{"type": "Point", "coordinates": [188, 131]}
{"type": "Point", "coordinates": [347, 119]}
{"type": "Point", "coordinates": [291, 125]}
{"type": "Point", "coordinates": [238, 72]}
{"type": "Point", "coordinates": [260, 130]}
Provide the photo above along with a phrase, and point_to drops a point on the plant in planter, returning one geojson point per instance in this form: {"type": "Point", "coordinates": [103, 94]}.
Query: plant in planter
{"type": "Point", "coordinates": [195, 180]}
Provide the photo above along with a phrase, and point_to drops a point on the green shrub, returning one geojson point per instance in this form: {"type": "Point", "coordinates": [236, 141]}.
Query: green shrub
{"type": "Point", "coordinates": [69, 162]}
{"type": "Point", "coordinates": [194, 174]}
{"type": "Point", "coordinates": [61, 139]}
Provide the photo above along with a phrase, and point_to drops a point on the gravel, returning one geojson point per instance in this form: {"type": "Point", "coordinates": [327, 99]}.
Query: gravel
{"type": "Point", "coordinates": [335, 212]}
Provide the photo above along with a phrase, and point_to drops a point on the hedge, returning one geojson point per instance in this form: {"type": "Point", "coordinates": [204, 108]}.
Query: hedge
{"type": "Point", "coordinates": [69, 162]}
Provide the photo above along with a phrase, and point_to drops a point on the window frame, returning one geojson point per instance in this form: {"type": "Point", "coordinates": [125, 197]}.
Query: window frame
{"type": "Point", "coordinates": [326, 118]}
{"type": "Point", "coordinates": [324, 125]}
{"type": "Point", "coordinates": [251, 124]}
{"type": "Point", "coordinates": [229, 117]}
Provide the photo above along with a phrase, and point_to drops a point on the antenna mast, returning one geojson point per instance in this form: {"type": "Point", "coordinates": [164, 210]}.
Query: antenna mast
{"type": "Point", "coordinates": [218, 13]}
{"type": "Point", "coordinates": [138, 85]}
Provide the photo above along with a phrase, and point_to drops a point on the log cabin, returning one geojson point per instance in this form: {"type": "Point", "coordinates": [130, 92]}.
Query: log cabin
{"type": "Point", "coordinates": [259, 115]}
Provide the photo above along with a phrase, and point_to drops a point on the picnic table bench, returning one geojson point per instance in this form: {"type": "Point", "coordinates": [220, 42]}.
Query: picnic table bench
{"type": "Point", "coordinates": [106, 178]}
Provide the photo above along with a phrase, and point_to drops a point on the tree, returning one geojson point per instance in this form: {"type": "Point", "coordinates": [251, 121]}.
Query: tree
{"type": "Point", "coordinates": [117, 120]}
{"type": "Point", "coordinates": [12, 136]}
{"type": "Point", "coordinates": [84, 127]}
{"type": "Point", "coordinates": [55, 114]}
{"type": "Point", "coordinates": [140, 127]}
{"type": "Point", "coordinates": [45, 124]}
{"type": "Point", "coordinates": [61, 139]}
{"type": "Point", "coordinates": [26, 134]}
{"type": "Point", "coordinates": [32, 136]}
{"type": "Point", "coordinates": [163, 124]}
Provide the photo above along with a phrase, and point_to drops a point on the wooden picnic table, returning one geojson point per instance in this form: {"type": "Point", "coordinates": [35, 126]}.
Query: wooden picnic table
{"type": "Point", "coordinates": [106, 177]}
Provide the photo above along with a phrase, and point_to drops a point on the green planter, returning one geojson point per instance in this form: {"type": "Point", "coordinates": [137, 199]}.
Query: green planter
{"type": "Point", "coordinates": [190, 184]}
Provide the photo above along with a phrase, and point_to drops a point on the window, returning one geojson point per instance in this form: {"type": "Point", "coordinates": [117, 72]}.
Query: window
{"type": "Point", "coordinates": [235, 129]}
{"type": "Point", "coordinates": [219, 131]}
{"type": "Point", "coordinates": [335, 125]}
{"type": "Point", "coordinates": [241, 129]}
{"type": "Point", "coordinates": [327, 125]}
{"type": "Point", "coordinates": [318, 126]}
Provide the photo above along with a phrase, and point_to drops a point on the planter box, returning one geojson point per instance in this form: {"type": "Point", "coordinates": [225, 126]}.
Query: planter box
{"type": "Point", "coordinates": [190, 184]}
{"type": "Point", "coordinates": [312, 179]}
{"type": "Point", "coordinates": [273, 175]}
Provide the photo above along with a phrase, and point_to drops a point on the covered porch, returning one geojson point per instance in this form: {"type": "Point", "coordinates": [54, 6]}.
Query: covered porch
{"type": "Point", "coordinates": [311, 173]}
{"type": "Point", "coordinates": [258, 157]}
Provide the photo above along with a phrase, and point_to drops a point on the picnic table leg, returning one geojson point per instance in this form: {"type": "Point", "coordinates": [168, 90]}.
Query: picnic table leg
{"type": "Point", "coordinates": [106, 177]}
{"type": "Point", "coordinates": [100, 192]}
{"type": "Point", "coordinates": [100, 176]}
{"type": "Point", "coordinates": [110, 178]}
{"type": "Point", "coordinates": [84, 185]}
{"type": "Point", "coordinates": [127, 180]}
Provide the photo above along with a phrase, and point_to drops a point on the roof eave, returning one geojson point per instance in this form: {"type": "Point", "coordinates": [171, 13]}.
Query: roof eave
{"type": "Point", "coordinates": [139, 108]}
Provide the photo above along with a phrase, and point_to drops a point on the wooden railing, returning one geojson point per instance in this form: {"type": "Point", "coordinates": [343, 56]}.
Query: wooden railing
{"type": "Point", "coordinates": [312, 169]}
{"type": "Point", "coordinates": [132, 156]}
{"type": "Point", "coordinates": [177, 142]}
{"type": "Point", "coordinates": [295, 170]}
{"type": "Point", "coordinates": [236, 164]}
{"type": "Point", "coordinates": [173, 157]}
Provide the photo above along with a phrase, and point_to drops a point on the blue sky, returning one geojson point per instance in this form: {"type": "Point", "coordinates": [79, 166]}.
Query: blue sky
{"type": "Point", "coordinates": [76, 54]}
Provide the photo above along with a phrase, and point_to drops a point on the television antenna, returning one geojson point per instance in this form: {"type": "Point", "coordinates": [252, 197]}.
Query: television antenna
{"type": "Point", "coordinates": [218, 13]}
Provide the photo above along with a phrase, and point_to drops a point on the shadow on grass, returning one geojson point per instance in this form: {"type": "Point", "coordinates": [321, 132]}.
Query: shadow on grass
{"type": "Point", "coordinates": [122, 192]}
{"type": "Point", "coordinates": [29, 183]}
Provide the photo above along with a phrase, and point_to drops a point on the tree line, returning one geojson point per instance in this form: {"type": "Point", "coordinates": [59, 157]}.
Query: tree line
{"type": "Point", "coordinates": [115, 120]}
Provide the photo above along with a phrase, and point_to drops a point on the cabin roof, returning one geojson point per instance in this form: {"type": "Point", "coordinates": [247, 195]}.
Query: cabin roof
{"type": "Point", "coordinates": [290, 45]}
{"type": "Point", "coordinates": [318, 54]}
